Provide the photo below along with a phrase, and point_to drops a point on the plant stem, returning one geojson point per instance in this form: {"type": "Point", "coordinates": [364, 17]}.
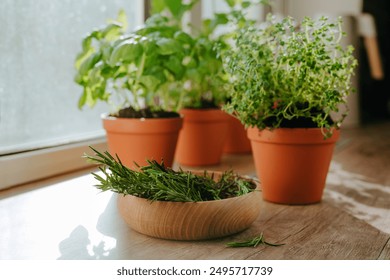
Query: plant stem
{"type": "Point", "coordinates": [139, 74]}
{"type": "Point", "coordinates": [254, 242]}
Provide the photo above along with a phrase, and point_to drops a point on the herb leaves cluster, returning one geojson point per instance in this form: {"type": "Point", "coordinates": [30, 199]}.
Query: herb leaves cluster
{"type": "Point", "coordinates": [158, 182]}
{"type": "Point", "coordinates": [158, 66]}
{"type": "Point", "coordinates": [284, 72]}
{"type": "Point", "coordinates": [132, 68]}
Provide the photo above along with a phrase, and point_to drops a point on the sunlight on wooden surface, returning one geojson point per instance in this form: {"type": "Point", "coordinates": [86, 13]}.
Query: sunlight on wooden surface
{"type": "Point", "coordinates": [67, 218]}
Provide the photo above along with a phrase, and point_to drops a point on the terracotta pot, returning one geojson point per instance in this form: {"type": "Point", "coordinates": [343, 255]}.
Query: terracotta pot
{"type": "Point", "coordinates": [136, 140]}
{"type": "Point", "coordinates": [292, 164]}
{"type": "Point", "coordinates": [190, 220]}
{"type": "Point", "coordinates": [237, 141]}
{"type": "Point", "coordinates": [203, 136]}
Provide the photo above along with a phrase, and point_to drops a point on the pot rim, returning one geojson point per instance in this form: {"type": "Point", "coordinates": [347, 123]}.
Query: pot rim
{"type": "Point", "coordinates": [311, 135]}
{"type": "Point", "coordinates": [106, 116]}
{"type": "Point", "coordinates": [142, 125]}
{"type": "Point", "coordinates": [208, 115]}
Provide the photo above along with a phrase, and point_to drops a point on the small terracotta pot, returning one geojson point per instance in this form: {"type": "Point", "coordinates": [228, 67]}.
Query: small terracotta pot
{"type": "Point", "coordinates": [237, 141]}
{"type": "Point", "coordinates": [203, 137]}
{"type": "Point", "coordinates": [292, 163]}
{"type": "Point", "coordinates": [138, 140]}
{"type": "Point", "coordinates": [190, 220]}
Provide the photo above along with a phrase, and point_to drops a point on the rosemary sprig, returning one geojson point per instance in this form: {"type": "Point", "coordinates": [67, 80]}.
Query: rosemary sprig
{"type": "Point", "coordinates": [155, 181]}
{"type": "Point", "coordinates": [254, 242]}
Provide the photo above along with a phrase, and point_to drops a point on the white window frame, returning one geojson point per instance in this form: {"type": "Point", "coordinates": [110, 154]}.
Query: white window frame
{"type": "Point", "coordinates": [33, 165]}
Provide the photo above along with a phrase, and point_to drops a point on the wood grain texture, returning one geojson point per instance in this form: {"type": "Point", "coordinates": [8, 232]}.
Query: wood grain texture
{"type": "Point", "coordinates": [190, 220]}
{"type": "Point", "coordinates": [359, 177]}
{"type": "Point", "coordinates": [385, 253]}
{"type": "Point", "coordinates": [66, 218]}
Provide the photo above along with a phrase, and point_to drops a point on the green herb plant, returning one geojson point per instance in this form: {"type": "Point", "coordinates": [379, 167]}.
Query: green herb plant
{"type": "Point", "coordinates": [133, 68]}
{"type": "Point", "coordinates": [204, 76]}
{"type": "Point", "coordinates": [208, 83]}
{"type": "Point", "coordinates": [157, 182]}
{"type": "Point", "coordinates": [158, 66]}
{"type": "Point", "coordinates": [286, 74]}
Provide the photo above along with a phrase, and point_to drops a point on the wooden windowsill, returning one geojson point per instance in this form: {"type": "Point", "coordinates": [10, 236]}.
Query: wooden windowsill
{"type": "Point", "coordinates": [65, 217]}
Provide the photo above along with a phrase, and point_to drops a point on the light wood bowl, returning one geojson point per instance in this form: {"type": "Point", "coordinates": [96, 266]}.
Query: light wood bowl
{"type": "Point", "coordinates": [190, 220]}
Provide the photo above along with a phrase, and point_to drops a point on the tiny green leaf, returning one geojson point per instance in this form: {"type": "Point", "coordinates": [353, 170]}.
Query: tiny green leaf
{"type": "Point", "coordinates": [112, 31]}
{"type": "Point", "coordinates": [89, 63]}
{"type": "Point", "coordinates": [122, 19]}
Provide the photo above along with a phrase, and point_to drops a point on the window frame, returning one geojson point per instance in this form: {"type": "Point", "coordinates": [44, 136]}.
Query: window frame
{"type": "Point", "coordinates": [23, 167]}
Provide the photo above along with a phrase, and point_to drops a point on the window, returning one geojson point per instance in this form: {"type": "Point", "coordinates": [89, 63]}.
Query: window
{"type": "Point", "coordinates": [38, 98]}
{"type": "Point", "coordinates": [42, 132]}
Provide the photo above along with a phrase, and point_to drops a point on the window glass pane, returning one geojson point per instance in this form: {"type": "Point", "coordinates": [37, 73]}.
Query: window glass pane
{"type": "Point", "coordinates": [38, 44]}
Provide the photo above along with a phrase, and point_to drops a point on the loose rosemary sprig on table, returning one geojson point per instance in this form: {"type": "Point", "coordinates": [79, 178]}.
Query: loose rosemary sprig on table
{"type": "Point", "coordinates": [252, 242]}
{"type": "Point", "coordinates": [155, 181]}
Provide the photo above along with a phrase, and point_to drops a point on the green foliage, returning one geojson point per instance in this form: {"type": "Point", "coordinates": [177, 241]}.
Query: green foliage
{"type": "Point", "coordinates": [157, 182]}
{"type": "Point", "coordinates": [159, 66]}
{"type": "Point", "coordinates": [176, 8]}
{"type": "Point", "coordinates": [207, 80]}
{"type": "Point", "coordinates": [203, 70]}
{"type": "Point", "coordinates": [132, 69]}
{"type": "Point", "coordinates": [284, 73]}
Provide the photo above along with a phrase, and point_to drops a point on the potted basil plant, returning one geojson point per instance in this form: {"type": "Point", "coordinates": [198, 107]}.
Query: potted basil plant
{"type": "Point", "coordinates": [206, 127]}
{"type": "Point", "coordinates": [134, 73]}
{"type": "Point", "coordinates": [199, 99]}
{"type": "Point", "coordinates": [289, 84]}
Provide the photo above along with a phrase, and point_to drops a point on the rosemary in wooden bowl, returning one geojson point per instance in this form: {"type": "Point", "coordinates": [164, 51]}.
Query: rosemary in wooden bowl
{"type": "Point", "coordinates": [179, 205]}
{"type": "Point", "coordinates": [155, 181]}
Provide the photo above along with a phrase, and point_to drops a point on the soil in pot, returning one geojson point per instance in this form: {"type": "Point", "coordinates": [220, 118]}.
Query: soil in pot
{"type": "Point", "coordinates": [130, 112]}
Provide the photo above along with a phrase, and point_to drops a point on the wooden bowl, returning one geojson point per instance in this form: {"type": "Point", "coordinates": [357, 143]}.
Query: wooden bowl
{"type": "Point", "coordinates": [190, 220]}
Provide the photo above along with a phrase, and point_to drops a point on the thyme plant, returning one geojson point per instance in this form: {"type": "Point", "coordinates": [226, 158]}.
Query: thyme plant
{"type": "Point", "coordinates": [290, 75]}
{"type": "Point", "coordinates": [155, 181]}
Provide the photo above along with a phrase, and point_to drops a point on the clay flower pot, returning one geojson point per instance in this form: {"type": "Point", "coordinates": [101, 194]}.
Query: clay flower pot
{"type": "Point", "coordinates": [292, 163]}
{"type": "Point", "coordinates": [137, 140]}
{"type": "Point", "coordinates": [190, 220]}
{"type": "Point", "coordinates": [237, 141]}
{"type": "Point", "coordinates": [203, 136]}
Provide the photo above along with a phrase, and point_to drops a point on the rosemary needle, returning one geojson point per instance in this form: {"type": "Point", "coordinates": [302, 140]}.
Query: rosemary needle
{"type": "Point", "coordinates": [155, 181]}
{"type": "Point", "coordinates": [254, 242]}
